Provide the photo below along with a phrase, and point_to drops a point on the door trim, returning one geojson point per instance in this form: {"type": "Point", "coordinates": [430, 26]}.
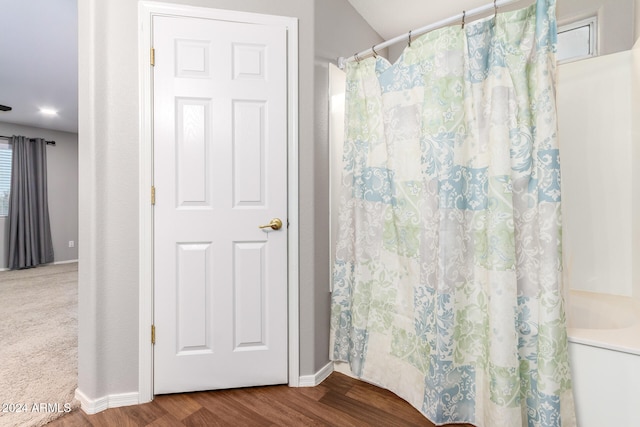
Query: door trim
{"type": "Point", "coordinates": [146, 11]}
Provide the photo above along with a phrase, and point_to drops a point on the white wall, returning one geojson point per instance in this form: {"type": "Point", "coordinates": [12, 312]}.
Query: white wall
{"type": "Point", "coordinates": [635, 196]}
{"type": "Point", "coordinates": [337, 92]}
{"type": "Point", "coordinates": [595, 134]}
{"type": "Point", "coordinates": [62, 186]}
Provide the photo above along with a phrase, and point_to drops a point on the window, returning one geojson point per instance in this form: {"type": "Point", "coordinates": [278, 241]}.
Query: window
{"type": "Point", "coordinates": [577, 40]}
{"type": "Point", "coordinates": [5, 176]}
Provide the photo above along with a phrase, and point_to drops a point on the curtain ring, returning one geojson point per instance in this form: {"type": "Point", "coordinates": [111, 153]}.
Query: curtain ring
{"type": "Point", "coordinates": [373, 49]}
{"type": "Point", "coordinates": [409, 38]}
{"type": "Point", "coordinates": [464, 13]}
{"type": "Point", "coordinates": [495, 8]}
{"type": "Point", "coordinates": [357, 57]}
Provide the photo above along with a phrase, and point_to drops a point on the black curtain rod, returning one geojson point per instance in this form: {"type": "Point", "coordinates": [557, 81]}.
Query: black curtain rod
{"type": "Point", "coordinates": [31, 139]}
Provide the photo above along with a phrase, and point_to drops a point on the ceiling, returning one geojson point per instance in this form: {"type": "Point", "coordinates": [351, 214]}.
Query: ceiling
{"type": "Point", "coordinates": [39, 57]}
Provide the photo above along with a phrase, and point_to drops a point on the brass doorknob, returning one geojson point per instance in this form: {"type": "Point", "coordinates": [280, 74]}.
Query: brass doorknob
{"type": "Point", "coordinates": [275, 224]}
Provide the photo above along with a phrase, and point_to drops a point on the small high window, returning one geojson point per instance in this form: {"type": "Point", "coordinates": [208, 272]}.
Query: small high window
{"type": "Point", "coordinates": [577, 40]}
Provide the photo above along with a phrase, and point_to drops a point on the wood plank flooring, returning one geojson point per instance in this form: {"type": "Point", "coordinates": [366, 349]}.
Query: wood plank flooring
{"type": "Point", "coordinates": [338, 401]}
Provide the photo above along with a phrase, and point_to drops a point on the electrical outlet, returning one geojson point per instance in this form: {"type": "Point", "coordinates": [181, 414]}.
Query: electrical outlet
{"type": "Point", "coordinates": [72, 243]}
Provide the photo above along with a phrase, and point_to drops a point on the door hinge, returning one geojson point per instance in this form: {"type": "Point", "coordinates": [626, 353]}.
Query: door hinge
{"type": "Point", "coordinates": [153, 195]}
{"type": "Point", "coordinates": [152, 58]}
{"type": "Point", "coordinates": [153, 334]}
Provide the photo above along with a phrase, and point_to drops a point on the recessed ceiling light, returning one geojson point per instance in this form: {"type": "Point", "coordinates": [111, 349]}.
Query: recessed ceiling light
{"type": "Point", "coordinates": [48, 111]}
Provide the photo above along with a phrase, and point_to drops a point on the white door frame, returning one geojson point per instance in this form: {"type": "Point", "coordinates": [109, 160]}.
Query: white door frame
{"type": "Point", "coordinates": [146, 11]}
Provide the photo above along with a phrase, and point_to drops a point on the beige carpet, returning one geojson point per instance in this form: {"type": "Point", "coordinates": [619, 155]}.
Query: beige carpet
{"type": "Point", "coordinates": [38, 344]}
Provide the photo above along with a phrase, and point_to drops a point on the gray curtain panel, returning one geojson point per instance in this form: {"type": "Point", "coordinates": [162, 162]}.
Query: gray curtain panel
{"type": "Point", "coordinates": [30, 241]}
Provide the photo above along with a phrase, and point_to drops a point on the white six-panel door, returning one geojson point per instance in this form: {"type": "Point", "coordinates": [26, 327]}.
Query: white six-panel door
{"type": "Point", "coordinates": [220, 166]}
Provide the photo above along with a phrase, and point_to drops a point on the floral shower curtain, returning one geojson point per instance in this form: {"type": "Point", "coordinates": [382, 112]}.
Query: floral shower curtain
{"type": "Point", "coordinates": [447, 280]}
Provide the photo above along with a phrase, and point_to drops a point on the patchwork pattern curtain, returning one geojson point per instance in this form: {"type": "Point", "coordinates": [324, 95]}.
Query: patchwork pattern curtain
{"type": "Point", "coordinates": [447, 280]}
{"type": "Point", "coordinates": [30, 241]}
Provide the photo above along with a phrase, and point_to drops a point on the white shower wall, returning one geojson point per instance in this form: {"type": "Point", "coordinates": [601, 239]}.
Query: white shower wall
{"type": "Point", "coordinates": [635, 190]}
{"type": "Point", "coordinates": [595, 105]}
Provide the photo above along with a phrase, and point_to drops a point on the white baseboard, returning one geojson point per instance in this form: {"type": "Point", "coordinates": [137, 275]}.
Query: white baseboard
{"type": "Point", "coordinates": [70, 261]}
{"type": "Point", "coordinates": [93, 406]}
{"type": "Point", "coordinates": [317, 378]}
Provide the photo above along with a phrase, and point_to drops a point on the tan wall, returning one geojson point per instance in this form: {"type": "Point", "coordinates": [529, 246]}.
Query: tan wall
{"type": "Point", "coordinates": [637, 20]}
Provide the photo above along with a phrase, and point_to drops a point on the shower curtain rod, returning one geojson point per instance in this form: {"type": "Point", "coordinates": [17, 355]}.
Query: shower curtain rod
{"type": "Point", "coordinates": [459, 18]}
{"type": "Point", "coordinates": [31, 139]}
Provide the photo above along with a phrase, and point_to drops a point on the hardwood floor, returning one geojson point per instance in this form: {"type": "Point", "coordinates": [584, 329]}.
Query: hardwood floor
{"type": "Point", "coordinates": [338, 401]}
